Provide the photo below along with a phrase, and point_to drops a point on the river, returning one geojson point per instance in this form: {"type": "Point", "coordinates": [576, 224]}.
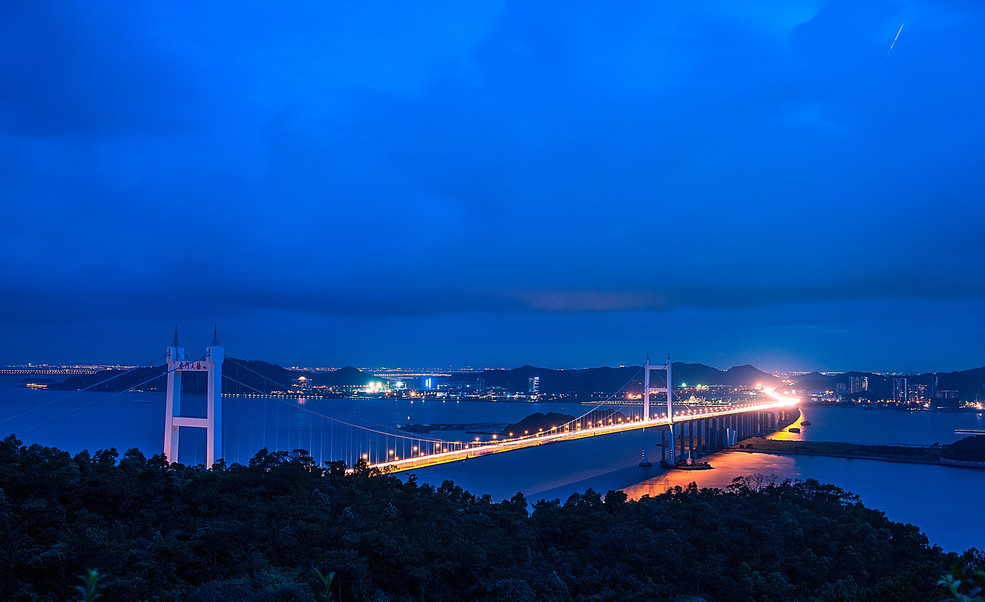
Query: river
{"type": "Point", "coordinates": [943, 501]}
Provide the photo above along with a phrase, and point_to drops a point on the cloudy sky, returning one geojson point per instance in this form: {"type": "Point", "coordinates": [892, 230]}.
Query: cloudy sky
{"type": "Point", "coordinates": [796, 185]}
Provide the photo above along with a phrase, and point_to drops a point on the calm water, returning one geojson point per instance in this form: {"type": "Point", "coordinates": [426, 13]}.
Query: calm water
{"type": "Point", "coordinates": [942, 501]}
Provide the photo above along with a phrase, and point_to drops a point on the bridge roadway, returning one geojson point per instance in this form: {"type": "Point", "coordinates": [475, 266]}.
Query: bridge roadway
{"type": "Point", "coordinates": [477, 450]}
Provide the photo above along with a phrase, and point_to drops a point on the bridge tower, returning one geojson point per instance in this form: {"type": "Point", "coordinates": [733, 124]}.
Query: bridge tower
{"type": "Point", "coordinates": [211, 364]}
{"type": "Point", "coordinates": [669, 391]}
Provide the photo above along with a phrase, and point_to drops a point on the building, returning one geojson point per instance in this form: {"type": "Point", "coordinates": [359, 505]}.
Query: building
{"type": "Point", "coordinates": [899, 389]}
{"type": "Point", "coordinates": [301, 385]}
{"type": "Point", "coordinates": [918, 392]}
{"type": "Point", "coordinates": [858, 384]}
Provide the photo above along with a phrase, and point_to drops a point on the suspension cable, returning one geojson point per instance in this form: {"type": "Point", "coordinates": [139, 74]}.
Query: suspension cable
{"type": "Point", "coordinates": [395, 432]}
{"type": "Point", "coordinates": [95, 403]}
{"type": "Point", "coordinates": [63, 398]}
{"type": "Point", "coordinates": [389, 433]}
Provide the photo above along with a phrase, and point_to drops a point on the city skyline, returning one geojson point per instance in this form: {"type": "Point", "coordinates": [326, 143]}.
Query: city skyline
{"type": "Point", "coordinates": [790, 185]}
{"type": "Point", "coordinates": [32, 368]}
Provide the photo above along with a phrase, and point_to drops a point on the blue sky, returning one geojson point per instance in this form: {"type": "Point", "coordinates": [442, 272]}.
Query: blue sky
{"type": "Point", "coordinates": [495, 183]}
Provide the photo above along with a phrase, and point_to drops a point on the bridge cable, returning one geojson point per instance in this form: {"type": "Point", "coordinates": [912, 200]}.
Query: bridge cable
{"type": "Point", "coordinates": [63, 398]}
{"type": "Point", "coordinates": [580, 419]}
{"type": "Point", "coordinates": [609, 398]}
{"type": "Point", "coordinates": [387, 432]}
{"type": "Point", "coordinates": [394, 432]}
{"type": "Point", "coordinates": [419, 441]}
{"type": "Point", "coordinates": [95, 403]}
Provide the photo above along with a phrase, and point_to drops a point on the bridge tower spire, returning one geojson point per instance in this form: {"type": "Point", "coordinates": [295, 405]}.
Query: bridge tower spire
{"type": "Point", "coordinates": [211, 364]}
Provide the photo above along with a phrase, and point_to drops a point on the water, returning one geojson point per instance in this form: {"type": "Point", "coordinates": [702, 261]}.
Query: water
{"type": "Point", "coordinates": [885, 427]}
{"type": "Point", "coordinates": [940, 500]}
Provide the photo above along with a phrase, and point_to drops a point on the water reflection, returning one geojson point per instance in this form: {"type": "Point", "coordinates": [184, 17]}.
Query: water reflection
{"type": "Point", "coordinates": [727, 466]}
{"type": "Point", "coordinates": [939, 499]}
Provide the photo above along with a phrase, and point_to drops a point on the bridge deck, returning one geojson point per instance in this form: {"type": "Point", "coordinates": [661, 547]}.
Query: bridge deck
{"type": "Point", "coordinates": [477, 450]}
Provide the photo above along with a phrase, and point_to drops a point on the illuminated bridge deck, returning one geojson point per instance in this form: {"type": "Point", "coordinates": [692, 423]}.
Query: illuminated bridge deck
{"type": "Point", "coordinates": [479, 449]}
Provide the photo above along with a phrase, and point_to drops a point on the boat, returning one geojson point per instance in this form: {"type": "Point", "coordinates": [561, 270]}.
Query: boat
{"type": "Point", "coordinates": [683, 466]}
{"type": "Point", "coordinates": [686, 464]}
{"type": "Point", "coordinates": [805, 423]}
{"type": "Point", "coordinates": [793, 429]}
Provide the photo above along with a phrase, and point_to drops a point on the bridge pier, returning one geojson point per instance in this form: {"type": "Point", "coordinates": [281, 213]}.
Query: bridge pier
{"type": "Point", "coordinates": [682, 438]}
{"type": "Point", "coordinates": [690, 435]}
{"type": "Point", "coordinates": [668, 390]}
{"type": "Point", "coordinates": [709, 434]}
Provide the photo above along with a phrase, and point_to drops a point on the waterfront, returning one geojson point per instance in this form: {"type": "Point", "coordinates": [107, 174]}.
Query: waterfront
{"type": "Point", "coordinates": [936, 498]}
{"type": "Point", "coordinates": [943, 501]}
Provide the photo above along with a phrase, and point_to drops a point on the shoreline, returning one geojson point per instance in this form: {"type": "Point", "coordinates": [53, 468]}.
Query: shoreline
{"type": "Point", "coordinates": [831, 455]}
{"type": "Point", "coordinates": [830, 449]}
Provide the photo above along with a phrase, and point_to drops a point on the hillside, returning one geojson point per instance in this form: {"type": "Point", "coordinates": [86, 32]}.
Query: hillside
{"type": "Point", "coordinates": [960, 385]}
{"type": "Point", "coordinates": [610, 380]}
{"type": "Point", "coordinates": [239, 376]}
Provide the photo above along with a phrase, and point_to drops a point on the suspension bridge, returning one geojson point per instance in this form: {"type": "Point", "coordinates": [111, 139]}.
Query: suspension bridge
{"type": "Point", "coordinates": [329, 432]}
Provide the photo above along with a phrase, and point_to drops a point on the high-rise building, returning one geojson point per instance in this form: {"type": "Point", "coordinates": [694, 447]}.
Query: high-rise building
{"type": "Point", "coordinates": [899, 389]}
{"type": "Point", "coordinates": [533, 385]}
{"type": "Point", "coordinates": [858, 384]}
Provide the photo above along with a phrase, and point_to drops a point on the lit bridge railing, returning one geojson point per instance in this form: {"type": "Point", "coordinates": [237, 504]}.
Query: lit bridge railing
{"type": "Point", "coordinates": [480, 449]}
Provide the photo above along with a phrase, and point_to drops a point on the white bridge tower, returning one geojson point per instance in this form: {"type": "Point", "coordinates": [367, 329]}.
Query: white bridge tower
{"type": "Point", "coordinates": [669, 391]}
{"type": "Point", "coordinates": [211, 364]}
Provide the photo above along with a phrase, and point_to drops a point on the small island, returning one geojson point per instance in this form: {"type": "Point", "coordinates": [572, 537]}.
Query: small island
{"type": "Point", "coordinates": [545, 423]}
{"type": "Point", "coordinates": [536, 423]}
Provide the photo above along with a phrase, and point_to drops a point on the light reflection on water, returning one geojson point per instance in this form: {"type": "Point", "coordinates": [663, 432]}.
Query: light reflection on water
{"type": "Point", "coordinates": [727, 466]}
{"type": "Point", "coordinates": [941, 500]}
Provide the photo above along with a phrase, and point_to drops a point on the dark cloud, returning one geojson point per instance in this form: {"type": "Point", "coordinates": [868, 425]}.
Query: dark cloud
{"type": "Point", "coordinates": [331, 162]}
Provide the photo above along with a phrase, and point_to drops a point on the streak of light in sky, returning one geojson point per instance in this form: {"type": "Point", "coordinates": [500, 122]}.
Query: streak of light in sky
{"type": "Point", "coordinates": [899, 31]}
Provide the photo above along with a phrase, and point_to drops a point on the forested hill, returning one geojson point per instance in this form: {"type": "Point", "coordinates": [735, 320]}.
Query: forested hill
{"type": "Point", "coordinates": [260, 532]}
{"type": "Point", "coordinates": [239, 376]}
{"type": "Point", "coordinates": [610, 380]}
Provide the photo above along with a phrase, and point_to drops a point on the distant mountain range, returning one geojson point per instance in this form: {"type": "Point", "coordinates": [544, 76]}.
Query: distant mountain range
{"type": "Point", "coordinates": [251, 376]}
{"type": "Point", "coordinates": [239, 377]}
{"type": "Point", "coordinates": [609, 380]}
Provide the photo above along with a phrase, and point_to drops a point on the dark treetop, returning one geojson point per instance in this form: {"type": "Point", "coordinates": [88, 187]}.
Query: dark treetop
{"type": "Point", "coordinates": [259, 532]}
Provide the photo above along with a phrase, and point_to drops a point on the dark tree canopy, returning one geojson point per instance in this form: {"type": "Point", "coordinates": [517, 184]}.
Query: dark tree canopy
{"type": "Point", "coordinates": [260, 532]}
